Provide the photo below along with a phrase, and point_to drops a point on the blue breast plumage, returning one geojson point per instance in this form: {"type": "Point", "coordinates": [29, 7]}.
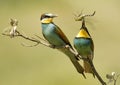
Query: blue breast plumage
{"type": "Point", "coordinates": [49, 32]}
{"type": "Point", "coordinates": [83, 46]}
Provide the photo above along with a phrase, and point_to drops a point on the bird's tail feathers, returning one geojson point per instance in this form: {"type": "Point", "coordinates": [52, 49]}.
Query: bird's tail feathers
{"type": "Point", "coordinates": [75, 62]}
{"type": "Point", "coordinates": [88, 68]}
{"type": "Point", "coordinates": [78, 67]}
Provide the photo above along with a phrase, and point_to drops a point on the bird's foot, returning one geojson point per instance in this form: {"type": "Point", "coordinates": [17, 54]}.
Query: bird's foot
{"type": "Point", "coordinates": [67, 46]}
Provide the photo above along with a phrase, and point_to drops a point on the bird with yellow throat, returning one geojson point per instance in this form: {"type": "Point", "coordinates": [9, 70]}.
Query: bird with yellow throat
{"type": "Point", "coordinates": [84, 45]}
{"type": "Point", "coordinates": [54, 35]}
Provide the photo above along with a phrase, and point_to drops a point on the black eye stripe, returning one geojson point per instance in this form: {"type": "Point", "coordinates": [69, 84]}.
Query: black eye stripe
{"type": "Point", "coordinates": [47, 17]}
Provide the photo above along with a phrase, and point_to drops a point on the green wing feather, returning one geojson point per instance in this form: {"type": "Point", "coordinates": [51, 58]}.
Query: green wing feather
{"type": "Point", "coordinates": [62, 36]}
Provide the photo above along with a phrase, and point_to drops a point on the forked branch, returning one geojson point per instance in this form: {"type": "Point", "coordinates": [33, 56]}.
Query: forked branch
{"type": "Point", "coordinates": [13, 32]}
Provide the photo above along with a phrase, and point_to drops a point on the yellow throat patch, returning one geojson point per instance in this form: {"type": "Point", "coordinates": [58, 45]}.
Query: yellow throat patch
{"type": "Point", "coordinates": [83, 33]}
{"type": "Point", "coordinates": [47, 20]}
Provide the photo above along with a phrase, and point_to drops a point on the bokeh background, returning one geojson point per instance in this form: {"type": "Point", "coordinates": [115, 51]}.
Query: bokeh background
{"type": "Point", "coordinates": [41, 65]}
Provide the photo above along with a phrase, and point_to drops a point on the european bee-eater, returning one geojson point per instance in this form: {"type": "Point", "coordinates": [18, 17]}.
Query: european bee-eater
{"type": "Point", "coordinates": [83, 43]}
{"type": "Point", "coordinates": [54, 35]}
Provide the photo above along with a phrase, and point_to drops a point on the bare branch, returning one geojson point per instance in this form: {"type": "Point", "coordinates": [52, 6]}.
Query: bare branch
{"type": "Point", "coordinates": [13, 32]}
{"type": "Point", "coordinates": [40, 41]}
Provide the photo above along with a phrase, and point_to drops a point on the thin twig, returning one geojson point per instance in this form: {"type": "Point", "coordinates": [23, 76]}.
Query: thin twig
{"type": "Point", "coordinates": [115, 80]}
{"type": "Point", "coordinates": [23, 44]}
{"type": "Point", "coordinates": [40, 41]}
{"type": "Point", "coordinates": [43, 42]}
{"type": "Point", "coordinates": [16, 33]}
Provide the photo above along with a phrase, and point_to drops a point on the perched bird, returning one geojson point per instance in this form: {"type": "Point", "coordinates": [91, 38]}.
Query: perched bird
{"type": "Point", "coordinates": [83, 43]}
{"type": "Point", "coordinates": [54, 35]}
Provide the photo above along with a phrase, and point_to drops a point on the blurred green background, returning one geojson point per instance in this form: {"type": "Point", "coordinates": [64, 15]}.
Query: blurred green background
{"type": "Point", "coordinates": [41, 65]}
